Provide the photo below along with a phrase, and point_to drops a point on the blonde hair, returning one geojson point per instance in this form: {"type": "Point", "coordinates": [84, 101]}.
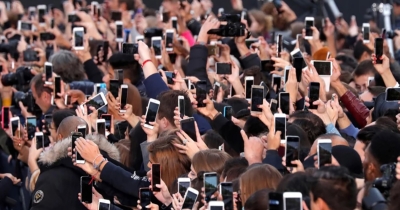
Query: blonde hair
{"type": "Point", "coordinates": [211, 160]}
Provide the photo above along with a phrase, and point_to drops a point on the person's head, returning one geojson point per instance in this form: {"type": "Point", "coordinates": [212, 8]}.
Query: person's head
{"type": "Point", "coordinates": [131, 68]}
{"type": "Point", "coordinates": [396, 8]}
{"type": "Point", "coordinates": [232, 163]}
{"type": "Point", "coordinates": [296, 182]}
{"type": "Point", "coordinates": [123, 147]}
{"type": "Point", "coordinates": [173, 163]}
{"type": "Point", "coordinates": [371, 93]}
{"type": "Point", "coordinates": [361, 51]}
{"type": "Point", "coordinates": [58, 117]}
{"type": "Point", "coordinates": [347, 60]}
{"type": "Point", "coordinates": [254, 179]}
{"type": "Point", "coordinates": [212, 139]}
{"type": "Point", "coordinates": [365, 136]}
{"type": "Point", "coordinates": [211, 160]}
{"type": "Point", "coordinates": [121, 5]}
{"type": "Point", "coordinates": [260, 22]}
{"type": "Point", "coordinates": [388, 123]}
{"type": "Point", "coordinates": [258, 200]}
{"type": "Point", "coordinates": [310, 123]}
{"type": "Point", "coordinates": [170, 5]}
{"type": "Point", "coordinates": [383, 149]}
{"type": "Point", "coordinates": [254, 127]}
{"type": "Point", "coordinates": [68, 66]}
{"type": "Point", "coordinates": [69, 125]}
{"type": "Point", "coordinates": [168, 102]}
{"type": "Point", "coordinates": [40, 93]}
{"type": "Point", "coordinates": [364, 70]}
{"type": "Point", "coordinates": [333, 180]}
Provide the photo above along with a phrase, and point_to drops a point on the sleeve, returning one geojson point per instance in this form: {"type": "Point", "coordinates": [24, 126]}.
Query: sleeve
{"type": "Point", "coordinates": [154, 85]}
{"type": "Point", "coordinates": [230, 132]}
{"type": "Point", "coordinates": [145, 154]}
{"type": "Point", "coordinates": [250, 61]}
{"type": "Point", "coordinates": [189, 37]}
{"type": "Point", "coordinates": [273, 158]}
{"type": "Point", "coordinates": [194, 26]}
{"type": "Point", "coordinates": [351, 130]}
{"type": "Point", "coordinates": [5, 185]}
{"type": "Point", "coordinates": [355, 107]}
{"type": "Point", "coordinates": [93, 73]}
{"type": "Point", "coordinates": [330, 128]}
{"type": "Point", "coordinates": [197, 66]}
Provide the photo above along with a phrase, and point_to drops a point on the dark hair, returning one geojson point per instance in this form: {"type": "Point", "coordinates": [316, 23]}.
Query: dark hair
{"type": "Point", "coordinates": [310, 123]}
{"type": "Point", "coordinates": [235, 173]}
{"type": "Point", "coordinates": [376, 90]}
{"type": "Point", "coordinates": [168, 101]}
{"type": "Point", "coordinates": [130, 5]}
{"type": "Point", "coordinates": [258, 200]}
{"type": "Point", "coordinates": [60, 115]}
{"type": "Point", "coordinates": [366, 134]}
{"type": "Point", "coordinates": [385, 147]}
{"type": "Point", "coordinates": [68, 66]}
{"type": "Point", "coordinates": [296, 182]}
{"type": "Point", "coordinates": [234, 162]}
{"type": "Point", "coordinates": [337, 181]}
{"type": "Point", "coordinates": [347, 60]}
{"type": "Point", "coordinates": [38, 83]}
{"type": "Point", "coordinates": [255, 127]}
{"type": "Point", "coordinates": [359, 49]}
{"type": "Point", "coordinates": [364, 67]}
{"type": "Point", "coordinates": [388, 123]}
{"type": "Point", "coordinates": [131, 68]}
{"type": "Point", "coordinates": [394, 197]}
{"type": "Point", "coordinates": [212, 139]}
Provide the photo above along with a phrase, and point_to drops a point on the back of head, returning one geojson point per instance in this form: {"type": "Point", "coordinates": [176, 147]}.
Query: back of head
{"type": "Point", "coordinates": [130, 66]}
{"type": "Point", "coordinates": [212, 139]}
{"type": "Point", "coordinates": [258, 201]}
{"type": "Point", "coordinates": [134, 99]}
{"type": "Point", "coordinates": [364, 68]}
{"type": "Point", "coordinates": [254, 127]}
{"type": "Point", "coordinates": [310, 123]}
{"type": "Point", "coordinates": [347, 60]}
{"type": "Point", "coordinates": [69, 124]}
{"type": "Point", "coordinates": [360, 49]}
{"type": "Point", "coordinates": [388, 123]}
{"type": "Point", "coordinates": [123, 147]}
{"type": "Point", "coordinates": [385, 147]}
{"type": "Point", "coordinates": [366, 134]}
{"type": "Point", "coordinates": [296, 182]}
{"type": "Point", "coordinates": [211, 160]}
{"type": "Point", "coordinates": [68, 66]}
{"type": "Point", "coordinates": [60, 115]}
{"type": "Point", "coordinates": [169, 101]}
{"type": "Point", "coordinates": [234, 162]}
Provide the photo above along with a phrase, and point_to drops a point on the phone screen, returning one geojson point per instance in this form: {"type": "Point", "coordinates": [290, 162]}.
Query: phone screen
{"type": "Point", "coordinates": [170, 76]}
{"type": "Point", "coordinates": [181, 104]}
{"type": "Point", "coordinates": [277, 82]}
{"type": "Point", "coordinates": [128, 48]}
{"type": "Point", "coordinates": [292, 150]}
{"type": "Point", "coordinates": [227, 195]}
{"type": "Point", "coordinates": [280, 125]}
{"type": "Point", "coordinates": [42, 13]}
{"type": "Point", "coordinates": [175, 24]}
{"type": "Point", "coordinates": [145, 197]}
{"type": "Point", "coordinates": [224, 68]}
{"type": "Point", "coordinates": [267, 65]}
{"type": "Point", "coordinates": [393, 94]}
{"type": "Point", "coordinates": [107, 118]}
{"type": "Point", "coordinates": [366, 33]}
{"type": "Point", "coordinates": [378, 49]}
{"type": "Point", "coordinates": [151, 113]}
{"type": "Point", "coordinates": [120, 32]}
{"type": "Point", "coordinates": [293, 203]}
{"type": "Point", "coordinates": [249, 83]}
{"type": "Point", "coordinates": [201, 93]}
{"type": "Point", "coordinates": [82, 130]}
{"type": "Point", "coordinates": [216, 208]}
{"type": "Point", "coordinates": [104, 206]}
{"type": "Point", "coordinates": [216, 91]}
{"type": "Point", "coordinates": [323, 68]}
{"type": "Point", "coordinates": [169, 40]}
{"type": "Point", "coordinates": [275, 201]}
{"type": "Point", "coordinates": [78, 38]}
{"type": "Point", "coordinates": [325, 153]}
{"type": "Point", "coordinates": [57, 87]}
{"type": "Point", "coordinates": [257, 96]}
{"type": "Point", "coordinates": [313, 94]}
{"type": "Point", "coordinates": [96, 102]}
{"type": "Point", "coordinates": [74, 137]}
{"type": "Point", "coordinates": [274, 106]}
{"type": "Point", "coordinates": [86, 189]}
{"type": "Point", "coordinates": [183, 186]}
{"type": "Point", "coordinates": [189, 127]}
{"type": "Point", "coordinates": [6, 117]}
{"type": "Point", "coordinates": [309, 24]}
{"type": "Point", "coordinates": [298, 63]}
{"type": "Point", "coordinates": [155, 176]}
{"type": "Point", "coordinates": [284, 102]}
{"type": "Point", "coordinates": [49, 72]}
{"type": "Point", "coordinates": [287, 71]}
{"type": "Point", "coordinates": [39, 141]}
{"type": "Point", "coordinates": [228, 112]}
{"type": "Point", "coordinates": [101, 128]}
{"type": "Point", "coordinates": [210, 185]}
{"type": "Point", "coordinates": [124, 97]}
{"type": "Point", "coordinates": [14, 128]}
{"type": "Point", "coordinates": [157, 47]}
{"type": "Point", "coordinates": [280, 44]}
{"type": "Point", "coordinates": [31, 127]}
{"type": "Point", "coordinates": [189, 201]}
{"type": "Point", "coordinates": [114, 87]}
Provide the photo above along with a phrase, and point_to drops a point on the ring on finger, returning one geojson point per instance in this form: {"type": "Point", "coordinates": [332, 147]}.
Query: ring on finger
{"type": "Point", "coordinates": [184, 141]}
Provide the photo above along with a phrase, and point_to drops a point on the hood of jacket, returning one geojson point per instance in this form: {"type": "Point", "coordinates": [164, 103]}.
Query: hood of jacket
{"type": "Point", "coordinates": [60, 149]}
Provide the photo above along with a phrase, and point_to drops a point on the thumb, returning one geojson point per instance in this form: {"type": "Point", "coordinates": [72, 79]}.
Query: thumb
{"type": "Point", "coordinates": [353, 21]}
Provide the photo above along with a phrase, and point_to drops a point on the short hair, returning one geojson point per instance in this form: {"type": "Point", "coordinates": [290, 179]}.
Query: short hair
{"type": "Point", "coordinates": [169, 100]}
{"type": "Point", "coordinates": [385, 147]}
{"type": "Point", "coordinates": [366, 134]}
{"type": "Point", "coordinates": [211, 160]}
{"type": "Point", "coordinates": [347, 60]}
{"type": "Point", "coordinates": [123, 147]}
{"type": "Point", "coordinates": [60, 115]}
{"type": "Point", "coordinates": [364, 67]}
{"type": "Point", "coordinates": [68, 66]}
{"type": "Point", "coordinates": [130, 5]}
{"type": "Point", "coordinates": [296, 182]}
{"type": "Point", "coordinates": [38, 83]}
{"type": "Point", "coordinates": [133, 98]}
{"type": "Point", "coordinates": [388, 123]}
{"type": "Point", "coordinates": [310, 123]}
{"type": "Point", "coordinates": [130, 66]}
{"type": "Point", "coordinates": [334, 180]}
{"type": "Point", "coordinates": [212, 139]}
{"type": "Point", "coordinates": [259, 200]}
{"type": "Point", "coordinates": [359, 49]}
{"type": "Point", "coordinates": [255, 127]}
{"type": "Point", "coordinates": [69, 124]}
{"type": "Point", "coordinates": [232, 163]}
{"type": "Point", "coordinates": [376, 90]}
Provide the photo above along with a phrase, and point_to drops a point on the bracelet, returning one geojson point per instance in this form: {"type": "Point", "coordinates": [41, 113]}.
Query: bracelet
{"type": "Point", "coordinates": [97, 167]}
{"type": "Point", "coordinates": [146, 61]}
{"type": "Point", "coordinates": [96, 158]}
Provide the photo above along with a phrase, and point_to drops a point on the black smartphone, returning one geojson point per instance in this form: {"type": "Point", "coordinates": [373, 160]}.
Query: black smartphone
{"type": "Point", "coordinates": [324, 151]}
{"type": "Point", "coordinates": [226, 190]}
{"type": "Point", "coordinates": [155, 176]}
{"type": "Point", "coordinates": [48, 71]}
{"type": "Point", "coordinates": [201, 93]}
{"type": "Point", "coordinates": [313, 94]}
{"type": "Point", "coordinates": [114, 87]}
{"type": "Point", "coordinates": [169, 40]}
{"type": "Point", "coordinates": [165, 17]}
{"type": "Point", "coordinates": [228, 112]}
{"type": "Point", "coordinates": [280, 125]}
{"type": "Point", "coordinates": [145, 197]}
{"type": "Point", "coordinates": [31, 126]}
{"type": "Point", "coordinates": [249, 82]}
{"type": "Point", "coordinates": [284, 99]}
{"type": "Point", "coordinates": [257, 96]}
{"type": "Point", "coordinates": [30, 55]}
{"type": "Point", "coordinates": [101, 127]}
{"type": "Point", "coordinates": [86, 189]}
{"type": "Point", "coordinates": [188, 126]}
{"type": "Point", "coordinates": [39, 140]}
{"type": "Point", "coordinates": [393, 94]}
{"type": "Point", "coordinates": [116, 16]}
{"type": "Point", "coordinates": [210, 184]}
{"type": "Point", "coordinates": [267, 66]}
{"type": "Point", "coordinates": [47, 36]}
{"type": "Point", "coordinates": [298, 63]}
{"type": "Point", "coordinates": [292, 150]}
{"type": "Point", "coordinates": [172, 57]}
{"type": "Point", "coordinates": [273, 105]}
{"type": "Point", "coordinates": [124, 96]}
{"type": "Point", "coordinates": [75, 136]}
{"type": "Point", "coordinates": [156, 44]}
{"type": "Point", "coordinates": [130, 48]}
{"type": "Point", "coordinates": [6, 117]}
{"type": "Point", "coordinates": [170, 76]}
{"type": "Point", "coordinates": [309, 24]}
{"type": "Point", "coordinates": [277, 81]}
{"type": "Point", "coordinates": [41, 14]}
{"type": "Point", "coordinates": [287, 71]}
{"type": "Point", "coordinates": [72, 18]}
{"type": "Point", "coordinates": [52, 23]}
{"type": "Point", "coordinates": [105, 49]}
{"type": "Point", "coordinates": [223, 68]}
{"type": "Point", "coordinates": [279, 43]}
{"type": "Point", "coordinates": [57, 87]}
{"type": "Point", "coordinates": [217, 86]}
{"type": "Point", "coordinates": [379, 50]}
{"type": "Point", "coordinates": [181, 105]}
{"type": "Point", "coordinates": [275, 201]}
{"type": "Point", "coordinates": [108, 119]}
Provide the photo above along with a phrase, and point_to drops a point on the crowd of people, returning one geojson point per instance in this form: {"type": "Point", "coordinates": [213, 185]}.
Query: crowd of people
{"type": "Point", "coordinates": [116, 105]}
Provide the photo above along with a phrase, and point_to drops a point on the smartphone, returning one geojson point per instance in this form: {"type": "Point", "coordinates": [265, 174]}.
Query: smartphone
{"type": "Point", "coordinates": [366, 32]}
{"type": "Point", "coordinates": [101, 126]}
{"type": "Point", "coordinates": [257, 96]}
{"type": "Point", "coordinates": [24, 26]}
{"type": "Point", "coordinates": [39, 140]}
{"type": "Point", "coordinates": [217, 86]}
{"type": "Point", "coordinates": [275, 201]}
{"type": "Point", "coordinates": [181, 105]}
{"type": "Point", "coordinates": [67, 100]}
{"type": "Point", "coordinates": [284, 99]}
{"type": "Point", "coordinates": [97, 102]}
{"type": "Point", "coordinates": [41, 13]}
{"type": "Point", "coordinates": [286, 73]}
{"type": "Point", "coordinates": [189, 127]}
{"type": "Point", "coordinates": [78, 157]}
{"type": "Point", "coordinates": [15, 127]}
{"type": "Point", "coordinates": [86, 189]}
{"type": "Point", "coordinates": [114, 87]}
{"type": "Point", "coordinates": [228, 112]}
{"type": "Point", "coordinates": [309, 23]}
{"type": "Point", "coordinates": [31, 126]}
{"type": "Point", "coordinates": [188, 83]}
{"type": "Point", "coordinates": [116, 16]}
{"type": "Point", "coordinates": [46, 36]}
{"type": "Point", "coordinates": [145, 197]}
{"type": "Point", "coordinates": [215, 205]}
{"type": "Point", "coordinates": [298, 63]}
{"type": "Point", "coordinates": [273, 103]}
{"type": "Point", "coordinates": [57, 87]}
{"type": "Point", "coordinates": [139, 38]}
{"type": "Point", "coordinates": [5, 117]}
{"type": "Point", "coordinates": [129, 48]}
{"type": "Point", "coordinates": [378, 50]}
{"type": "Point", "coordinates": [250, 42]}
{"type": "Point", "coordinates": [96, 88]}
{"type": "Point", "coordinates": [105, 49]}
{"type": "Point", "coordinates": [190, 198]}
{"type": "Point", "coordinates": [151, 112]}
{"type": "Point", "coordinates": [170, 76]}
{"type": "Point", "coordinates": [119, 31]}
{"type": "Point", "coordinates": [279, 47]}
{"type": "Point", "coordinates": [249, 82]}
{"type": "Point", "coordinates": [104, 204]}
{"type": "Point", "coordinates": [292, 150]}
{"type": "Point", "coordinates": [123, 98]}
{"type": "Point", "coordinates": [210, 184]}
{"type": "Point", "coordinates": [223, 68]}
{"type": "Point", "coordinates": [324, 68]}
{"type": "Point", "coordinates": [156, 44]}
{"type": "Point", "coordinates": [324, 151]}
{"type": "Point", "coordinates": [226, 191]}
{"type": "Point", "coordinates": [292, 200]}
{"type": "Point", "coordinates": [72, 18]}
{"type": "Point", "coordinates": [82, 129]}
{"type": "Point", "coordinates": [169, 40]}
{"type": "Point", "coordinates": [174, 21]}
{"type": "Point", "coordinates": [313, 94]}
{"type": "Point", "coordinates": [108, 120]}
{"type": "Point", "coordinates": [201, 93]}
{"type": "Point", "coordinates": [267, 66]}
{"type": "Point", "coordinates": [393, 94]}
{"type": "Point", "coordinates": [276, 80]}
{"type": "Point", "coordinates": [212, 50]}
{"type": "Point", "coordinates": [280, 125]}
{"type": "Point", "coordinates": [48, 72]}
{"type": "Point", "coordinates": [78, 37]}
{"type": "Point", "coordinates": [155, 176]}
{"type": "Point", "coordinates": [183, 185]}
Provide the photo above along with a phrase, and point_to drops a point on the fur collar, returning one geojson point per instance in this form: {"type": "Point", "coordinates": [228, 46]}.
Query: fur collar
{"type": "Point", "coordinates": [60, 149]}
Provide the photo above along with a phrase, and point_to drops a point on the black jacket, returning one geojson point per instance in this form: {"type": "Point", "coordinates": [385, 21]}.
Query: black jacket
{"type": "Point", "coordinates": [86, 86]}
{"type": "Point", "coordinates": [58, 184]}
